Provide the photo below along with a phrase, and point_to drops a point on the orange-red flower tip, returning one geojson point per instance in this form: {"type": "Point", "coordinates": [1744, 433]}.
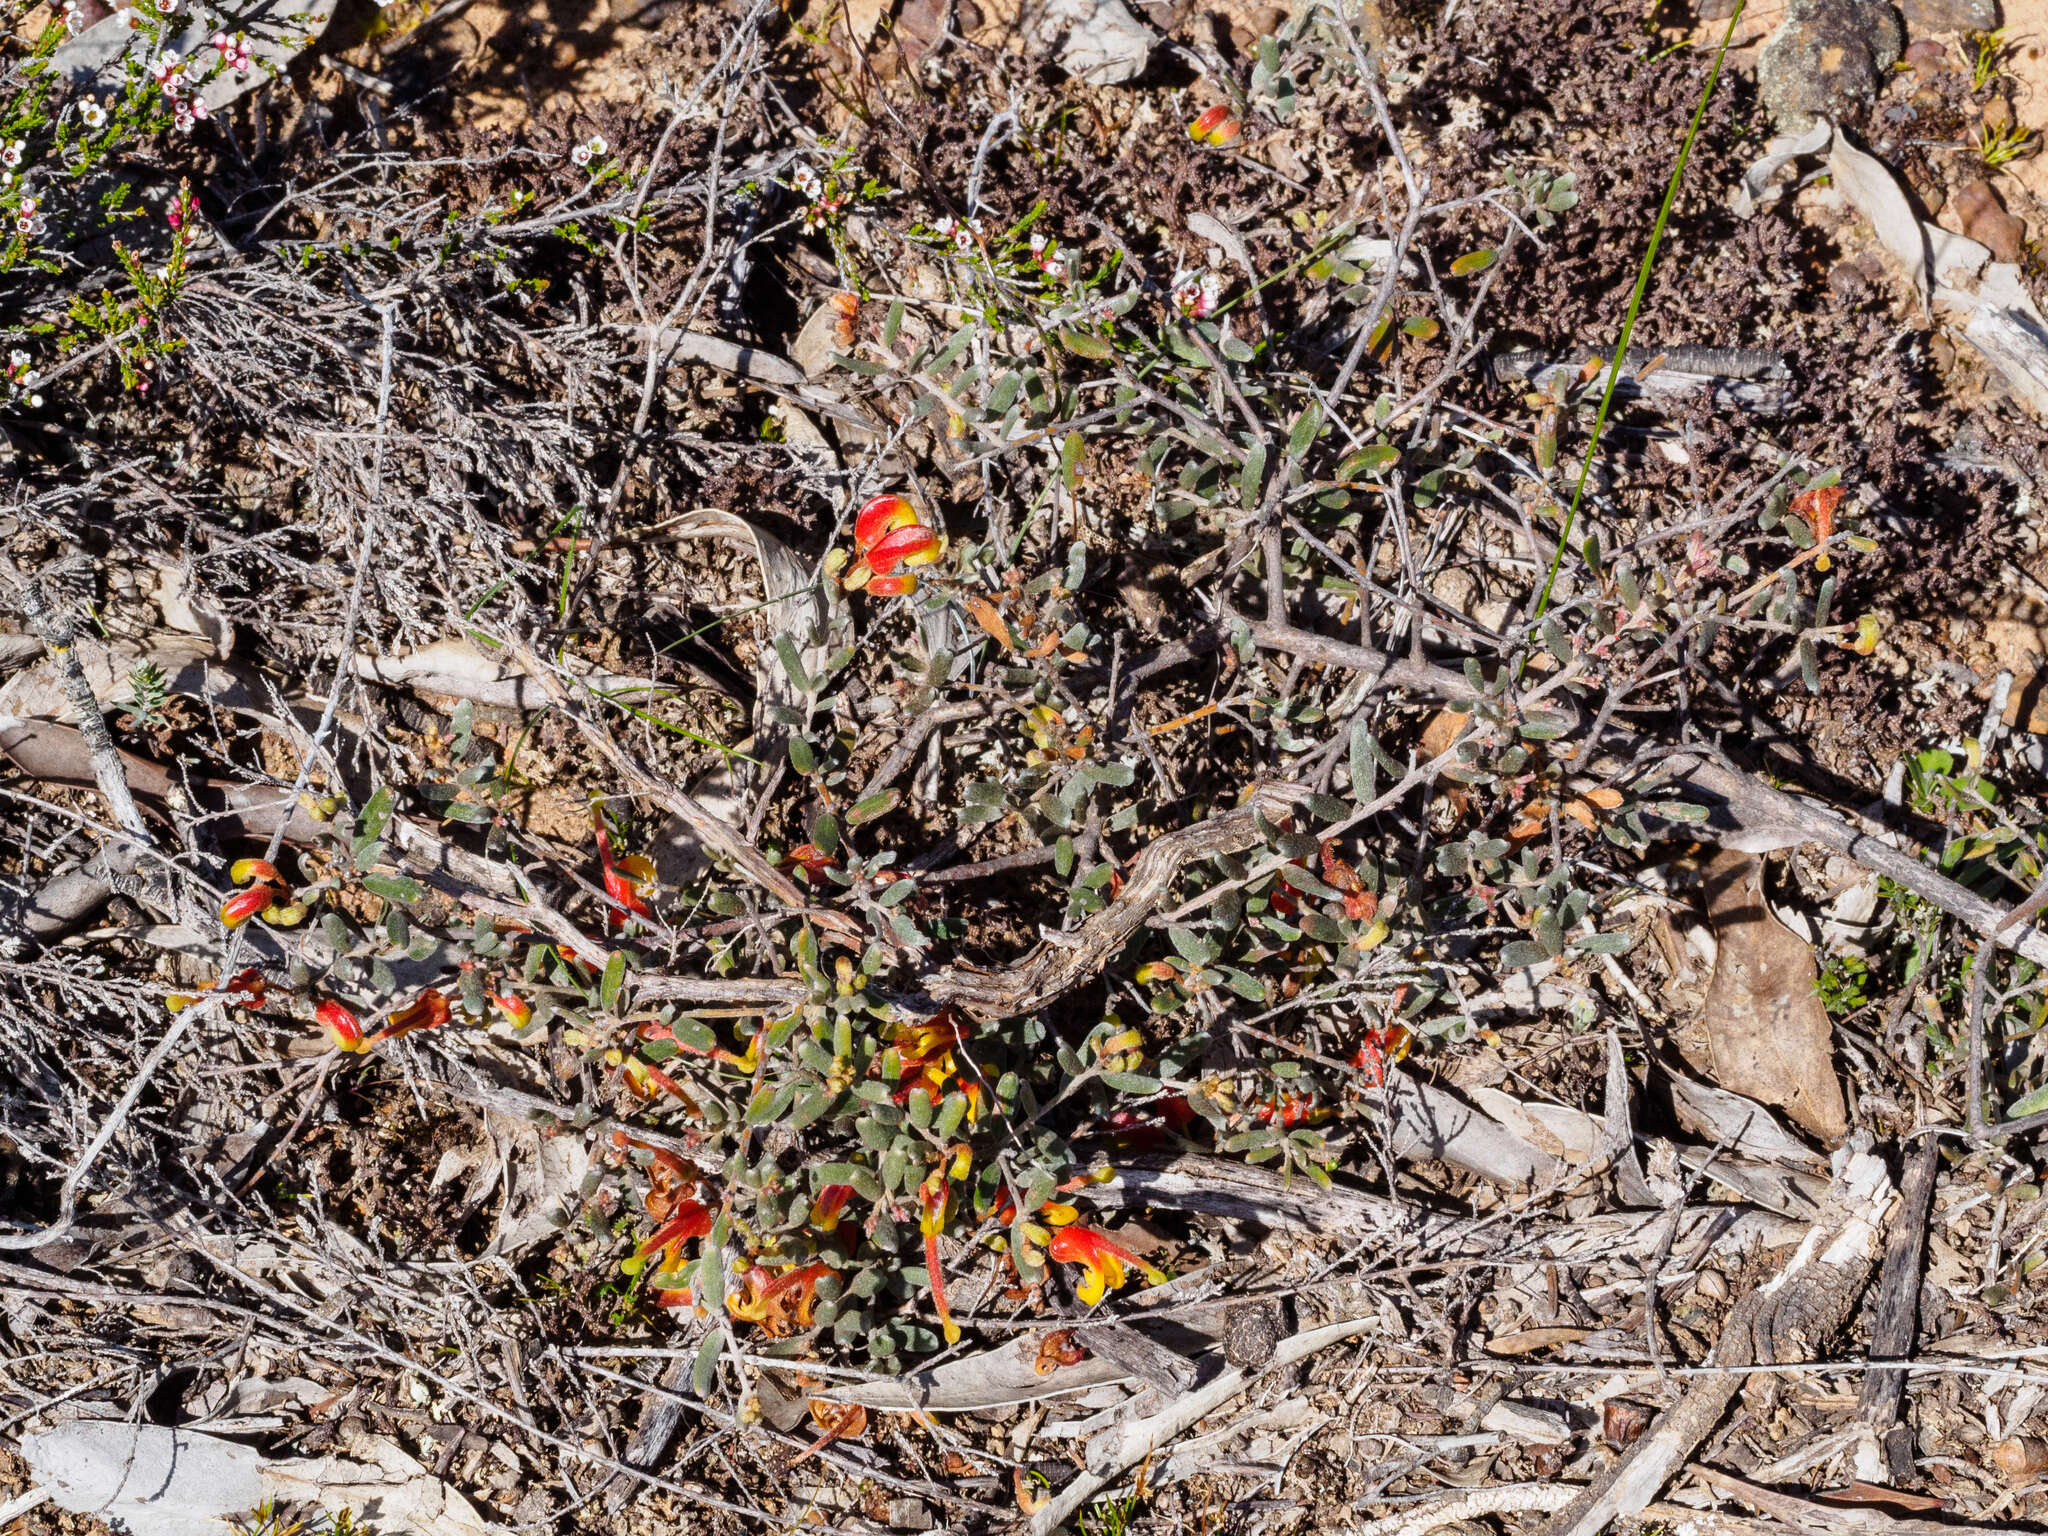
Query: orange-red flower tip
{"type": "Point", "coordinates": [242, 871]}
{"type": "Point", "coordinates": [901, 585]}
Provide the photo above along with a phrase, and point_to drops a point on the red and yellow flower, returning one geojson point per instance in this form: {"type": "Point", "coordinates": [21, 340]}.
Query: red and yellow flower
{"type": "Point", "coordinates": [342, 1026]}
{"type": "Point", "coordinates": [243, 905]}
{"type": "Point", "coordinates": [427, 1011]}
{"type": "Point", "coordinates": [1102, 1259]}
{"type": "Point", "coordinates": [890, 540]}
{"type": "Point", "coordinates": [1217, 127]}
{"type": "Point", "coordinates": [688, 1219]}
{"type": "Point", "coordinates": [830, 1202]}
{"type": "Point", "coordinates": [245, 989]}
{"type": "Point", "coordinates": [625, 880]}
{"type": "Point", "coordinates": [779, 1304]}
{"type": "Point", "coordinates": [515, 1011]}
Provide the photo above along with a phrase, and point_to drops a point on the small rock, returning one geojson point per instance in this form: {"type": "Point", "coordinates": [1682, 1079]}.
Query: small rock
{"type": "Point", "coordinates": [1924, 17]}
{"type": "Point", "coordinates": [1927, 57]}
{"type": "Point", "coordinates": [1984, 219]}
{"type": "Point", "coordinates": [1997, 113]}
{"type": "Point", "coordinates": [1847, 283]}
{"type": "Point", "coordinates": [1827, 57]}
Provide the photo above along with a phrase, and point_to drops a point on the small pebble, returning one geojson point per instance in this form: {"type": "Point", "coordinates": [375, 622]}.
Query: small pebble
{"type": "Point", "coordinates": [1985, 220]}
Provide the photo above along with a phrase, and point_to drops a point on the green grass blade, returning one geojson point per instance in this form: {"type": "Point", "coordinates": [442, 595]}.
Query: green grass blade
{"type": "Point", "coordinates": [1635, 305]}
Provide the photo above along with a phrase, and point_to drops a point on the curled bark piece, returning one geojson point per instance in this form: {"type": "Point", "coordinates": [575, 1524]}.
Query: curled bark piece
{"type": "Point", "coordinates": [1056, 966]}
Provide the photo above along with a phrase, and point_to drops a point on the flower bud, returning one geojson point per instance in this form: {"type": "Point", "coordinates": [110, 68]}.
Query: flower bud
{"type": "Point", "coordinates": [915, 545]}
{"type": "Point", "coordinates": [343, 1027]}
{"type": "Point", "coordinates": [242, 871]}
{"type": "Point", "coordinates": [884, 514]}
{"type": "Point", "coordinates": [1218, 126]}
{"type": "Point", "coordinates": [243, 905]}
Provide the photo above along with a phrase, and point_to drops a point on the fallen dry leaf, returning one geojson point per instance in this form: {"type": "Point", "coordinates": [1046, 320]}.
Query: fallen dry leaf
{"type": "Point", "coordinates": [991, 620]}
{"type": "Point", "coordinates": [1767, 1034]}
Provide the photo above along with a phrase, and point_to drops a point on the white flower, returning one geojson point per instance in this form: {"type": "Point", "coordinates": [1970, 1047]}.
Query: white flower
{"type": "Point", "coordinates": [183, 120]}
{"type": "Point", "coordinates": [10, 154]}
{"type": "Point", "coordinates": [805, 180]}
{"type": "Point", "coordinates": [597, 145]}
{"type": "Point", "coordinates": [29, 205]}
{"type": "Point", "coordinates": [35, 402]}
{"type": "Point", "coordinates": [975, 225]}
{"type": "Point", "coordinates": [92, 114]}
{"type": "Point", "coordinates": [1037, 245]}
{"type": "Point", "coordinates": [580, 154]}
{"type": "Point", "coordinates": [200, 109]}
{"type": "Point", "coordinates": [962, 240]}
{"type": "Point", "coordinates": [127, 15]}
{"type": "Point", "coordinates": [31, 379]}
{"type": "Point", "coordinates": [18, 359]}
{"type": "Point", "coordinates": [945, 226]}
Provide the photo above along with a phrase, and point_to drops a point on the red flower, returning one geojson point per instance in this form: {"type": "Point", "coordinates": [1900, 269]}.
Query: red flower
{"type": "Point", "coordinates": [692, 1218]}
{"type": "Point", "coordinates": [1102, 1260]}
{"type": "Point", "coordinates": [1218, 126]}
{"type": "Point", "coordinates": [1381, 1046]}
{"type": "Point", "coordinates": [916, 545]}
{"type": "Point", "coordinates": [427, 1011]}
{"type": "Point", "coordinates": [886, 535]}
{"type": "Point", "coordinates": [343, 1027]}
{"type": "Point", "coordinates": [243, 905]}
{"type": "Point", "coordinates": [882, 515]}
{"type": "Point", "coordinates": [517, 1011]}
{"type": "Point", "coordinates": [623, 878]}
